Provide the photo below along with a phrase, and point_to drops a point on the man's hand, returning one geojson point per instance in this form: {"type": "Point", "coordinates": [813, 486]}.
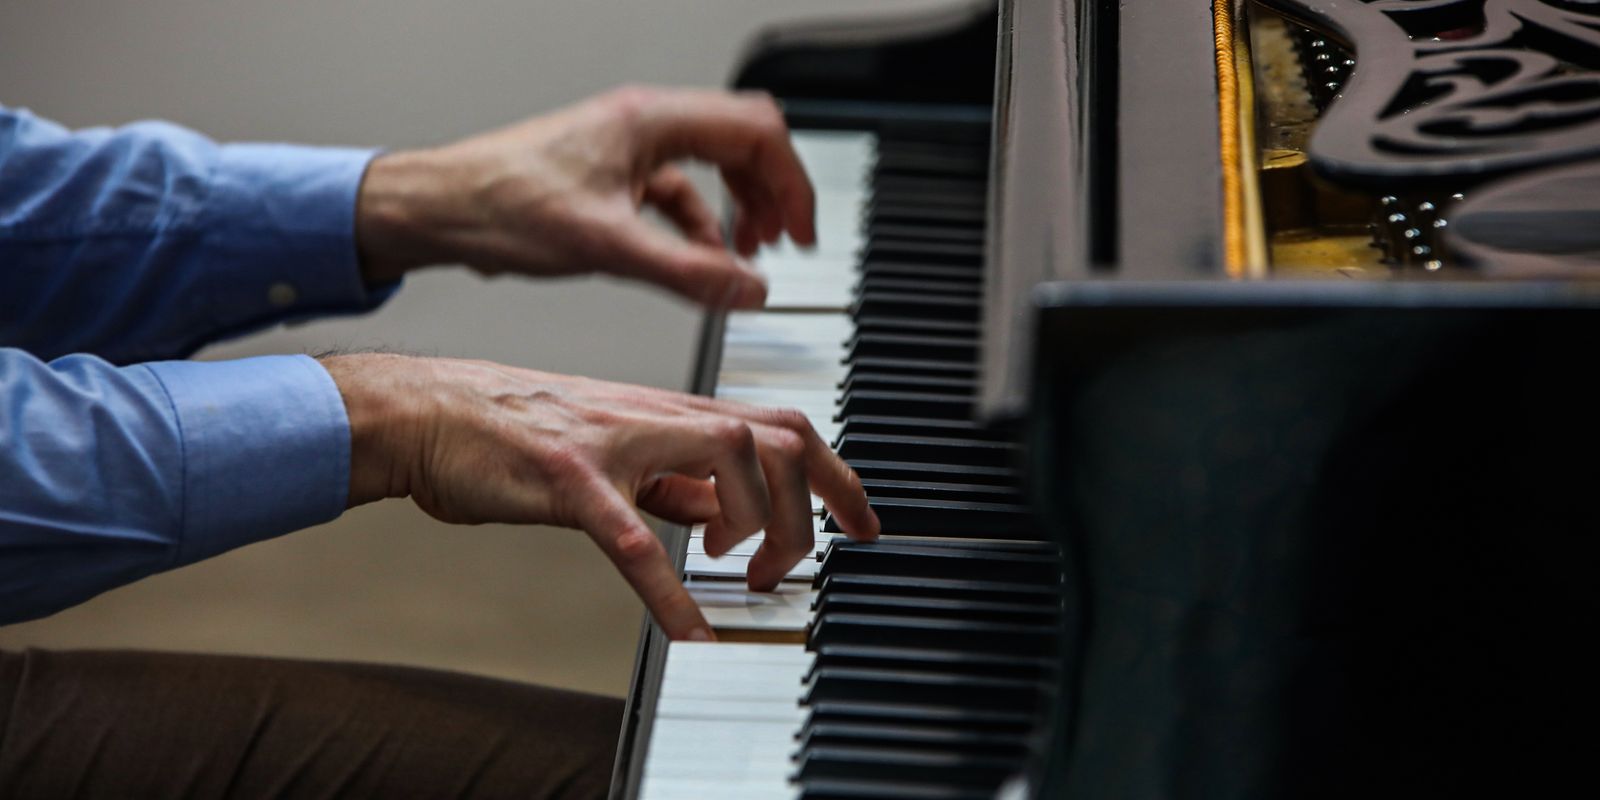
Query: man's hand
{"type": "Point", "coordinates": [474, 441]}
{"type": "Point", "coordinates": [560, 194]}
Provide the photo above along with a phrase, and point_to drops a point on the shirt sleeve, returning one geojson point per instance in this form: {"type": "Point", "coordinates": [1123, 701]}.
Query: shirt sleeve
{"type": "Point", "coordinates": [109, 474]}
{"type": "Point", "coordinates": [147, 241]}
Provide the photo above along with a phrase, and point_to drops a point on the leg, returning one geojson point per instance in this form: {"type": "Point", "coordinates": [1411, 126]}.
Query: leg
{"type": "Point", "coordinates": [133, 724]}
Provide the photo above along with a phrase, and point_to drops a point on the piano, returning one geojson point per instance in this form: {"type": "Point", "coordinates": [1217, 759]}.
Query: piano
{"type": "Point", "coordinates": [1219, 374]}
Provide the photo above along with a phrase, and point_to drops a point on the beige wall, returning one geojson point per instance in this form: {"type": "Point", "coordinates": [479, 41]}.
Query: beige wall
{"type": "Point", "coordinates": [385, 582]}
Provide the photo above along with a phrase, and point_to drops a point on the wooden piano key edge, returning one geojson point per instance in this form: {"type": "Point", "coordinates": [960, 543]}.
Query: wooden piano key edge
{"type": "Point", "coordinates": [760, 636]}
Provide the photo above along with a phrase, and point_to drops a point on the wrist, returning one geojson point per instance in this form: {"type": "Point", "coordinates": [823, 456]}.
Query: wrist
{"type": "Point", "coordinates": [397, 213]}
{"type": "Point", "coordinates": [384, 418]}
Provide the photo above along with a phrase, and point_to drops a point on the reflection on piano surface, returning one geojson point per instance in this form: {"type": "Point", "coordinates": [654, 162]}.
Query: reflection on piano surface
{"type": "Point", "coordinates": [1217, 373]}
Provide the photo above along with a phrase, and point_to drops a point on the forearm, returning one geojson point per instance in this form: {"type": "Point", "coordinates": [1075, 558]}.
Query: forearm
{"type": "Point", "coordinates": [110, 474]}
{"type": "Point", "coordinates": [148, 241]}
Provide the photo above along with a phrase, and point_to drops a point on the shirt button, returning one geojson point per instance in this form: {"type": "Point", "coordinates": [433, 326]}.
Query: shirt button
{"type": "Point", "coordinates": [282, 295]}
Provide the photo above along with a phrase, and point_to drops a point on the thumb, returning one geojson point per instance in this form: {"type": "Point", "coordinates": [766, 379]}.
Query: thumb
{"type": "Point", "coordinates": [704, 273]}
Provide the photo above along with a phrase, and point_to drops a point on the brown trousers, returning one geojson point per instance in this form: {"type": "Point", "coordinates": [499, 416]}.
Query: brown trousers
{"type": "Point", "coordinates": [119, 724]}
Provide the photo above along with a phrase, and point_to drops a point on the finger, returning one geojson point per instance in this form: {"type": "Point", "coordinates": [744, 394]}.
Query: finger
{"type": "Point", "coordinates": [636, 552]}
{"type": "Point", "coordinates": [680, 499]}
{"type": "Point", "coordinates": [746, 238]}
{"type": "Point", "coordinates": [759, 211]}
{"type": "Point", "coordinates": [706, 274]}
{"type": "Point", "coordinates": [723, 448]}
{"type": "Point", "coordinates": [789, 532]}
{"type": "Point", "coordinates": [827, 474]}
{"type": "Point", "coordinates": [671, 192]}
{"type": "Point", "coordinates": [742, 134]}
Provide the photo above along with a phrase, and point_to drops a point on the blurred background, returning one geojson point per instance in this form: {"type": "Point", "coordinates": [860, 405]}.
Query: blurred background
{"type": "Point", "coordinates": [385, 582]}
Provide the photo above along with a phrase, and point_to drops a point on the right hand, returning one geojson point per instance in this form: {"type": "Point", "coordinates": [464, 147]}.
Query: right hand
{"type": "Point", "coordinates": [473, 442]}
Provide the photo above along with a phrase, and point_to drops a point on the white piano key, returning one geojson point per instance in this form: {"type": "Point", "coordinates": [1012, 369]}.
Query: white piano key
{"type": "Point", "coordinates": [807, 295]}
{"type": "Point", "coordinates": [721, 653]}
{"type": "Point", "coordinates": [819, 398]}
{"type": "Point", "coordinates": [737, 567]}
{"type": "Point", "coordinates": [787, 330]}
{"type": "Point", "coordinates": [709, 742]}
{"type": "Point", "coordinates": [831, 375]}
{"type": "Point", "coordinates": [836, 158]}
{"type": "Point", "coordinates": [787, 710]}
{"type": "Point", "coordinates": [747, 548]}
{"type": "Point", "coordinates": [714, 789]}
{"type": "Point", "coordinates": [730, 605]}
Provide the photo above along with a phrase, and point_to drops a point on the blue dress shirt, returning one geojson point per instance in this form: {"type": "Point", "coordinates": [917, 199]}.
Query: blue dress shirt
{"type": "Point", "coordinates": [132, 245]}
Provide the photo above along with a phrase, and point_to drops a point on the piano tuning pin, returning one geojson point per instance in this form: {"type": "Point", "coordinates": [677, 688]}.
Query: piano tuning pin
{"type": "Point", "coordinates": [1440, 224]}
{"type": "Point", "coordinates": [1433, 265]}
{"type": "Point", "coordinates": [1411, 233]}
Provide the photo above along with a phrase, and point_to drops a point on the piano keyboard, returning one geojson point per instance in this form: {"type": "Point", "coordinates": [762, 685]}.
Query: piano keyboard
{"type": "Point", "coordinates": [929, 657]}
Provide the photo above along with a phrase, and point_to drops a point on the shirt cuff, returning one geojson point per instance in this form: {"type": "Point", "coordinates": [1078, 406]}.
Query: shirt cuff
{"type": "Point", "coordinates": [266, 449]}
{"type": "Point", "coordinates": [281, 232]}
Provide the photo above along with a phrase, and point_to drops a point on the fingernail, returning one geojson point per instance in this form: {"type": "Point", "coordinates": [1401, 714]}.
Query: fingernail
{"type": "Point", "coordinates": [701, 635]}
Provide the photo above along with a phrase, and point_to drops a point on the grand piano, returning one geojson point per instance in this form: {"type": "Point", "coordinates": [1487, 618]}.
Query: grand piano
{"type": "Point", "coordinates": [1219, 373]}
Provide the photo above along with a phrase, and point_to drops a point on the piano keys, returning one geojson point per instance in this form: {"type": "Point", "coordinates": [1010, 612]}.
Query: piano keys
{"type": "Point", "coordinates": [1209, 464]}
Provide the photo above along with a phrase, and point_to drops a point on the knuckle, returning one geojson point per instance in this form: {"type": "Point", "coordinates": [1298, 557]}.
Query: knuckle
{"type": "Point", "coordinates": [788, 444]}
{"type": "Point", "coordinates": [733, 434]}
{"type": "Point", "coordinates": [630, 100]}
{"type": "Point", "coordinates": [565, 464]}
{"type": "Point", "coordinates": [638, 546]}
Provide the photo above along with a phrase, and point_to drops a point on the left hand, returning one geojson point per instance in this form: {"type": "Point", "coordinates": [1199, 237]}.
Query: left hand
{"type": "Point", "coordinates": [560, 194]}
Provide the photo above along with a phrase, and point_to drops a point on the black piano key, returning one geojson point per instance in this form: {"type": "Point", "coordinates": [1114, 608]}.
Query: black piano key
{"type": "Point", "coordinates": [912, 232]}
{"type": "Point", "coordinates": [874, 402]}
{"type": "Point", "coordinates": [924, 561]}
{"type": "Point", "coordinates": [1037, 547]}
{"type": "Point", "coordinates": [987, 720]}
{"type": "Point", "coordinates": [908, 516]}
{"type": "Point", "coordinates": [953, 588]}
{"type": "Point", "coordinates": [927, 272]}
{"type": "Point", "coordinates": [928, 426]}
{"type": "Point", "coordinates": [968, 492]}
{"type": "Point", "coordinates": [972, 610]}
{"type": "Point", "coordinates": [915, 737]}
{"type": "Point", "coordinates": [950, 662]}
{"type": "Point", "coordinates": [931, 632]}
{"type": "Point", "coordinates": [863, 379]}
{"type": "Point", "coordinates": [898, 789]}
{"type": "Point", "coordinates": [954, 165]}
{"type": "Point", "coordinates": [851, 684]}
{"type": "Point", "coordinates": [913, 365]}
{"type": "Point", "coordinates": [911, 471]}
{"type": "Point", "coordinates": [895, 249]}
{"type": "Point", "coordinates": [919, 305]}
{"type": "Point", "coordinates": [924, 189]}
{"type": "Point", "coordinates": [867, 763]}
{"type": "Point", "coordinates": [944, 450]}
{"type": "Point", "coordinates": [968, 215]}
{"type": "Point", "coordinates": [875, 284]}
{"type": "Point", "coordinates": [920, 326]}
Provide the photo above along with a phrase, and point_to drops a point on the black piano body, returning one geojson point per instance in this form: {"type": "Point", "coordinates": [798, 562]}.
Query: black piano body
{"type": "Point", "coordinates": [1325, 531]}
